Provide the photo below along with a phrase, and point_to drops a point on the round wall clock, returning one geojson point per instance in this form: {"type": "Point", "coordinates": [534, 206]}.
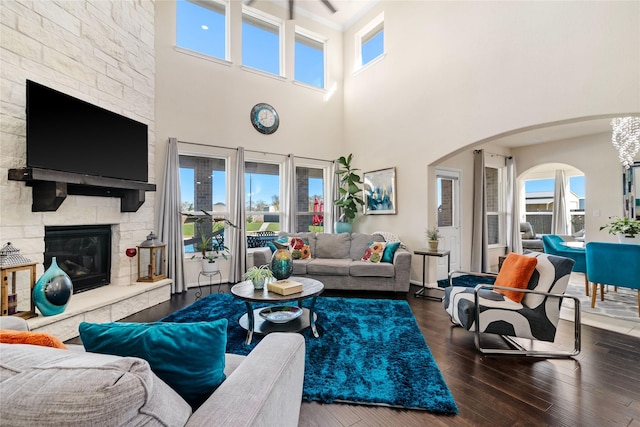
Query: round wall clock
{"type": "Point", "coordinates": [264, 118]}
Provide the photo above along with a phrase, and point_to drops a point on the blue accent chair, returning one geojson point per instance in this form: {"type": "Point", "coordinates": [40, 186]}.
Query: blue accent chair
{"type": "Point", "coordinates": [554, 245]}
{"type": "Point", "coordinates": [616, 264]}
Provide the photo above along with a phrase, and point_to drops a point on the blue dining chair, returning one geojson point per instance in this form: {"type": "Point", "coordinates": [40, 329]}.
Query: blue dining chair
{"type": "Point", "coordinates": [555, 245]}
{"type": "Point", "coordinates": [616, 264]}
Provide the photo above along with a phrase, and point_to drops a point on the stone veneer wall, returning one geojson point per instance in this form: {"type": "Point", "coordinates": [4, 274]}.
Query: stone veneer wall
{"type": "Point", "coordinates": [101, 52]}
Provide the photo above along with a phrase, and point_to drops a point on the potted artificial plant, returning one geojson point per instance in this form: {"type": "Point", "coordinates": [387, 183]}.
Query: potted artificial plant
{"type": "Point", "coordinates": [350, 190]}
{"type": "Point", "coordinates": [433, 236]}
{"type": "Point", "coordinates": [627, 229]}
{"type": "Point", "coordinates": [209, 248]}
{"type": "Point", "coordinates": [258, 275]}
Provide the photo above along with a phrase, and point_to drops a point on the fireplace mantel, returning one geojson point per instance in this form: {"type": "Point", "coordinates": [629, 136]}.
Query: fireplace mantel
{"type": "Point", "coordinates": [50, 188]}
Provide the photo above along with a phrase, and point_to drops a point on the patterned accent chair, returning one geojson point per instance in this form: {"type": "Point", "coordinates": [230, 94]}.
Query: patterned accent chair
{"type": "Point", "coordinates": [535, 318]}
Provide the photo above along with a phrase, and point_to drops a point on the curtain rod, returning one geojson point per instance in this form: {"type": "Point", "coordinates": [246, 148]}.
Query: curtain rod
{"type": "Point", "coordinates": [493, 154]}
{"type": "Point", "coordinates": [252, 151]}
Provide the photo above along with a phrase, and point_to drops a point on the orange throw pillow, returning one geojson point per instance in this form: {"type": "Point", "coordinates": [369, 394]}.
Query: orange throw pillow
{"type": "Point", "coordinates": [8, 336]}
{"type": "Point", "coordinates": [515, 273]}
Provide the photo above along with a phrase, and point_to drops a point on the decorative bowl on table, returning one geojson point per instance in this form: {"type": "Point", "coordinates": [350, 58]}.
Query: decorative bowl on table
{"type": "Point", "coordinates": [281, 313]}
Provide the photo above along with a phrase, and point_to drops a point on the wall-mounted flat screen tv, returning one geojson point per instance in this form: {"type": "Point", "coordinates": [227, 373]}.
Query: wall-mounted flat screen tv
{"type": "Point", "coordinates": [70, 135]}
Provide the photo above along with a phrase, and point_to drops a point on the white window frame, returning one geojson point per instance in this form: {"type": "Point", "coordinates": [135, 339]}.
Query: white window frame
{"type": "Point", "coordinates": [497, 162]}
{"type": "Point", "coordinates": [207, 4]}
{"type": "Point", "coordinates": [318, 39]}
{"type": "Point", "coordinates": [362, 36]}
{"type": "Point", "coordinates": [281, 185]}
{"type": "Point", "coordinates": [269, 20]}
{"type": "Point", "coordinates": [324, 166]}
{"type": "Point", "coordinates": [214, 154]}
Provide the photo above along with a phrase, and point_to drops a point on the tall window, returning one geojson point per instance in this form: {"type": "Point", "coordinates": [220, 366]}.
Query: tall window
{"type": "Point", "coordinates": [309, 60]}
{"type": "Point", "coordinates": [203, 186]}
{"type": "Point", "coordinates": [261, 43]}
{"type": "Point", "coordinates": [370, 42]}
{"type": "Point", "coordinates": [201, 27]}
{"type": "Point", "coordinates": [494, 191]}
{"type": "Point", "coordinates": [310, 199]}
{"type": "Point", "coordinates": [262, 197]}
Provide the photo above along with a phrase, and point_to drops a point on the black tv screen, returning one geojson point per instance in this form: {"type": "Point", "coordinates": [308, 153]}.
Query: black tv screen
{"type": "Point", "coordinates": [70, 135]}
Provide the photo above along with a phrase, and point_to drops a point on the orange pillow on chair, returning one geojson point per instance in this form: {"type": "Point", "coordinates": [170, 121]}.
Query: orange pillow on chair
{"type": "Point", "coordinates": [515, 273]}
{"type": "Point", "coordinates": [8, 336]}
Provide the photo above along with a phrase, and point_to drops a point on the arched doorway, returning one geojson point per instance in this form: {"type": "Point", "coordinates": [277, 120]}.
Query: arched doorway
{"type": "Point", "coordinates": [538, 195]}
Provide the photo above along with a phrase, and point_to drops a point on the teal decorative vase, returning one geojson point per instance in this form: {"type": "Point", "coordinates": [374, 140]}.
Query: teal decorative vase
{"type": "Point", "coordinates": [53, 290]}
{"type": "Point", "coordinates": [281, 262]}
{"type": "Point", "coordinates": [343, 227]}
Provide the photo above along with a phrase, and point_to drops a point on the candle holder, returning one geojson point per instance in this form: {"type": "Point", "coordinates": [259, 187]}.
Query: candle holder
{"type": "Point", "coordinates": [151, 259]}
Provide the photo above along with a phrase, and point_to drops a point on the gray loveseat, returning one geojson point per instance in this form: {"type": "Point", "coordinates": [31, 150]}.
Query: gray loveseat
{"type": "Point", "coordinates": [336, 262]}
{"type": "Point", "coordinates": [49, 386]}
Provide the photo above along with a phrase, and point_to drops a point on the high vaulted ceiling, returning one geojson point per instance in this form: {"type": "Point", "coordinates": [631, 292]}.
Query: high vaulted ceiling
{"type": "Point", "coordinates": [349, 11]}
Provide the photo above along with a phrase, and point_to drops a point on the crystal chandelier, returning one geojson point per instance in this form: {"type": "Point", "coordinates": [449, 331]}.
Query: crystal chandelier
{"type": "Point", "coordinates": [626, 138]}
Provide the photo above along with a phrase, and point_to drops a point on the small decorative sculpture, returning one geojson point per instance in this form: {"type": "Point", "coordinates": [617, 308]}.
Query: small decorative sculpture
{"type": "Point", "coordinates": [53, 290]}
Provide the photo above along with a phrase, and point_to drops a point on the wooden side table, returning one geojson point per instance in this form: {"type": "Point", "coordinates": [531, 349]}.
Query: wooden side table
{"type": "Point", "coordinates": [429, 253]}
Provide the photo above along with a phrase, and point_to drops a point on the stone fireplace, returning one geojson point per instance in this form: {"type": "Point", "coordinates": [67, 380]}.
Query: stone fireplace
{"type": "Point", "coordinates": [106, 61]}
{"type": "Point", "coordinates": [82, 251]}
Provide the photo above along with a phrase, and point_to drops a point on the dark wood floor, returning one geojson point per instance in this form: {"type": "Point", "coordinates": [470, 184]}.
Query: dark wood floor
{"type": "Point", "coordinates": [599, 387]}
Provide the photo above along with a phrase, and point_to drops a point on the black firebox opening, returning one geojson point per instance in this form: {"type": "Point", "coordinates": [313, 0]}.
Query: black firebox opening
{"type": "Point", "coordinates": [83, 252]}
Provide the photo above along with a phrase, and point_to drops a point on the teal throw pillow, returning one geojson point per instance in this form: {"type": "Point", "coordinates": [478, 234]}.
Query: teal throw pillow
{"type": "Point", "coordinates": [282, 240]}
{"type": "Point", "coordinates": [189, 357]}
{"type": "Point", "coordinates": [389, 251]}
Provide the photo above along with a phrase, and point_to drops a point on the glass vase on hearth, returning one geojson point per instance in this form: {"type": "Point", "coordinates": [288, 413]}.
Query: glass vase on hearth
{"type": "Point", "coordinates": [53, 290]}
{"type": "Point", "coordinates": [281, 262]}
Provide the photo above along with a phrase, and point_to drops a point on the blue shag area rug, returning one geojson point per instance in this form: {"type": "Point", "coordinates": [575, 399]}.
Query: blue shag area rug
{"type": "Point", "coordinates": [369, 352]}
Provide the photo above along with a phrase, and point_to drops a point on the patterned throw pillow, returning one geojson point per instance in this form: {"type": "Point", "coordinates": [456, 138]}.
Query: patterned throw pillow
{"type": "Point", "coordinates": [299, 248]}
{"type": "Point", "coordinates": [374, 252]}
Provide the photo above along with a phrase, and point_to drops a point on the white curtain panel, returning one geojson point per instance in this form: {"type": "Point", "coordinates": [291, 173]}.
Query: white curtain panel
{"type": "Point", "coordinates": [170, 220]}
{"type": "Point", "coordinates": [238, 236]}
{"type": "Point", "coordinates": [514, 240]}
{"type": "Point", "coordinates": [479, 228]}
{"type": "Point", "coordinates": [290, 195]}
{"type": "Point", "coordinates": [560, 224]}
{"type": "Point", "coordinates": [333, 213]}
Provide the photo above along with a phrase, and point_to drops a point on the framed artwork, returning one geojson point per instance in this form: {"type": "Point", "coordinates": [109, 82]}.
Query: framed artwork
{"type": "Point", "coordinates": [380, 192]}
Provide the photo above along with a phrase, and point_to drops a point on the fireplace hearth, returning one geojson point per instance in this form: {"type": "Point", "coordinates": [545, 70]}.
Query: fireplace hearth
{"type": "Point", "coordinates": [82, 251]}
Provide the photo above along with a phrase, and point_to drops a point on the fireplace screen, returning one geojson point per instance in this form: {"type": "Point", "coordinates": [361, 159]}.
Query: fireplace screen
{"type": "Point", "coordinates": [83, 252]}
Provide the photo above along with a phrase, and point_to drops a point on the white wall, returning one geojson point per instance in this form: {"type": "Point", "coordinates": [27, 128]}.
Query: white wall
{"type": "Point", "coordinates": [456, 73]}
{"type": "Point", "coordinates": [208, 101]}
{"type": "Point", "coordinates": [596, 157]}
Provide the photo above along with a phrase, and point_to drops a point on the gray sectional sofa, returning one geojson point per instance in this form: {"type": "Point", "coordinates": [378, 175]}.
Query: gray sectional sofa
{"type": "Point", "coordinates": [49, 386]}
{"type": "Point", "coordinates": [336, 262]}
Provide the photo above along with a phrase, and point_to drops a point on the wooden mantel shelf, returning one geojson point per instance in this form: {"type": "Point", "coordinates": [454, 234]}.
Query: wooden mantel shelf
{"type": "Point", "coordinates": [50, 188]}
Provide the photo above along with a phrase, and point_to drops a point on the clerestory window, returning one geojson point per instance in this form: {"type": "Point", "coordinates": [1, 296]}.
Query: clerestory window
{"type": "Point", "coordinates": [201, 26]}
{"type": "Point", "coordinates": [261, 42]}
{"type": "Point", "coordinates": [370, 42]}
{"type": "Point", "coordinates": [309, 59]}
